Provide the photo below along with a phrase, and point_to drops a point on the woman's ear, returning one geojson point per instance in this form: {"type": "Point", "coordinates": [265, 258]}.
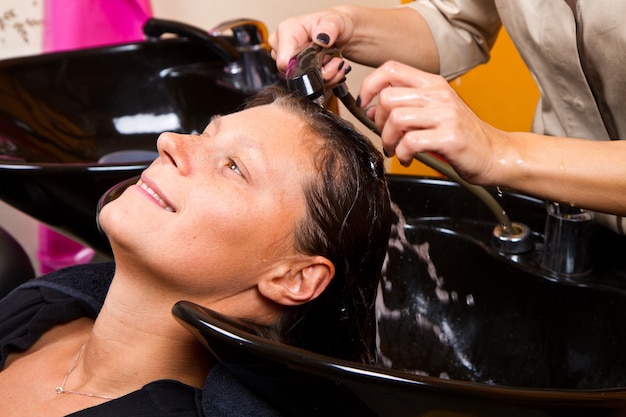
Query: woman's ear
{"type": "Point", "coordinates": [302, 282]}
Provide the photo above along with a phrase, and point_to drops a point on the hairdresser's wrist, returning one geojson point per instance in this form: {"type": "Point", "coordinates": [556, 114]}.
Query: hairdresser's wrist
{"type": "Point", "coordinates": [378, 35]}
{"type": "Point", "coordinates": [361, 41]}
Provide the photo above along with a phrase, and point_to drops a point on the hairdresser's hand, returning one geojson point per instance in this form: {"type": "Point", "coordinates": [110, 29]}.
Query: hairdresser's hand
{"type": "Point", "coordinates": [327, 28]}
{"type": "Point", "coordinates": [419, 112]}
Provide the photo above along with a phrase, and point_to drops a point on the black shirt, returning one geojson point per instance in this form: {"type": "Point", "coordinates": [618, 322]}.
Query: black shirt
{"type": "Point", "coordinates": [62, 296]}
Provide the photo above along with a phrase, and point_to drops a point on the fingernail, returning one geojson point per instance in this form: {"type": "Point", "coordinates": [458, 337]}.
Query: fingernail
{"type": "Point", "coordinates": [323, 38]}
{"type": "Point", "coordinates": [343, 80]}
{"type": "Point", "coordinates": [348, 69]}
{"type": "Point", "coordinates": [341, 65]}
{"type": "Point", "coordinates": [358, 101]}
{"type": "Point", "coordinates": [385, 153]}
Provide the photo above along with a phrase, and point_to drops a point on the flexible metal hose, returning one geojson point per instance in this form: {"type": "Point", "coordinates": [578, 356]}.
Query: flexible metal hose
{"type": "Point", "coordinates": [346, 98]}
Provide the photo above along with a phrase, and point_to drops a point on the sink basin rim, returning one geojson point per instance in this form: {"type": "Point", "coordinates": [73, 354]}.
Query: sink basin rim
{"type": "Point", "coordinates": [212, 328]}
{"type": "Point", "coordinates": [65, 166]}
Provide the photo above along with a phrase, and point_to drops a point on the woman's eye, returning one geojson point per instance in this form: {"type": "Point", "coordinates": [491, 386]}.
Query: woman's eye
{"type": "Point", "coordinates": [233, 166]}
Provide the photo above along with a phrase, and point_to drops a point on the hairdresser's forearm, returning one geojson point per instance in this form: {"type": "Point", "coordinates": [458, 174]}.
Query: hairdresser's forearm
{"type": "Point", "coordinates": [399, 34]}
{"type": "Point", "coordinates": [585, 173]}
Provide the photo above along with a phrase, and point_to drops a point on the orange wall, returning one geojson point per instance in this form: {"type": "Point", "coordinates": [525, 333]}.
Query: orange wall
{"type": "Point", "coordinates": [501, 92]}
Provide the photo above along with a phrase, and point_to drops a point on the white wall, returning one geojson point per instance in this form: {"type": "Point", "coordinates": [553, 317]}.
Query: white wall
{"type": "Point", "coordinates": [20, 27]}
{"type": "Point", "coordinates": [209, 13]}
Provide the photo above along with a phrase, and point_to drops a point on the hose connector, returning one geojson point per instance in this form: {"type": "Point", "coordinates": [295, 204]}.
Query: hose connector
{"type": "Point", "coordinates": [514, 241]}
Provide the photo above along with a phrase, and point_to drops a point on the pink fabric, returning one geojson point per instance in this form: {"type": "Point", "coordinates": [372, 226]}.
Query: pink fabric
{"type": "Point", "coordinates": [57, 251]}
{"type": "Point", "coordinates": [75, 24]}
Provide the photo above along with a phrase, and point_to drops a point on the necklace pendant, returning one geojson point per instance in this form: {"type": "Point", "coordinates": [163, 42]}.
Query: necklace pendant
{"type": "Point", "coordinates": [61, 389]}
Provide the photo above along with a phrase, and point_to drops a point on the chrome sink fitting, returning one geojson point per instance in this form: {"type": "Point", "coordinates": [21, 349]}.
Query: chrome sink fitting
{"type": "Point", "coordinates": [566, 248]}
{"type": "Point", "coordinates": [240, 43]}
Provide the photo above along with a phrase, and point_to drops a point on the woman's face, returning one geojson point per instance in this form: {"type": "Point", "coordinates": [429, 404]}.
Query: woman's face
{"type": "Point", "coordinates": [215, 211]}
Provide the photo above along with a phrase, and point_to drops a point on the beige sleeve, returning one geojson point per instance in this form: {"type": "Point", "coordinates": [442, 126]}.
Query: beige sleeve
{"type": "Point", "coordinates": [464, 31]}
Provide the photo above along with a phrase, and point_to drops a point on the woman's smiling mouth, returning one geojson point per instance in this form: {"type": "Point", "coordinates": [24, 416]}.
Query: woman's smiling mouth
{"type": "Point", "coordinates": [155, 196]}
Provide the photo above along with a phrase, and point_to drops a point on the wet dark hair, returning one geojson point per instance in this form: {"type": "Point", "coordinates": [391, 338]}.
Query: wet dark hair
{"type": "Point", "coordinates": [348, 221]}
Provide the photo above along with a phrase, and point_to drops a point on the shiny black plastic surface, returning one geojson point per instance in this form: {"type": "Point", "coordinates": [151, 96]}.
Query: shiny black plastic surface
{"type": "Point", "coordinates": [65, 117]}
{"type": "Point", "coordinates": [464, 330]}
{"type": "Point", "coordinates": [15, 265]}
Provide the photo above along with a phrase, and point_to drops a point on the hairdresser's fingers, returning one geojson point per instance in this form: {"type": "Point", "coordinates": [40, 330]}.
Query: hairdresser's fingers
{"type": "Point", "coordinates": [395, 74]}
{"type": "Point", "coordinates": [399, 122]}
{"type": "Point", "coordinates": [468, 167]}
{"type": "Point", "coordinates": [391, 98]}
{"type": "Point", "coordinates": [294, 34]}
{"type": "Point", "coordinates": [370, 112]}
{"type": "Point", "coordinates": [450, 131]}
{"type": "Point", "coordinates": [417, 133]}
{"type": "Point", "coordinates": [334, 72]}
{"type": "Point", "coordinates": [419, 112]}
{"type": "Point", "coordinates": [287, 41]}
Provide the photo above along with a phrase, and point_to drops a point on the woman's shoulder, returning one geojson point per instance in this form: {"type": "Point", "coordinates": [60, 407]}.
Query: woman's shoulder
{"type": "Point", "coordinates": [87, 282]}
{"type": "Point", "coordinates": [38, 305]}
{"type": "Point", "coordinates": [225, 395]}
{"type": "Point", "coordinates": [165, 398]}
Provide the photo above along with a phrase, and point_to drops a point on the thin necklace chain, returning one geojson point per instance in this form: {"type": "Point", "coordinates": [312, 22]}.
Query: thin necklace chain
{"type": "Point", "coordinates": [61, 389]}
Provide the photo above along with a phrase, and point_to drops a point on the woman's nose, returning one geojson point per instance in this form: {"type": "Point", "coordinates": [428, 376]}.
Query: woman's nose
{"type": "Point", "coordinates": [174, 148]}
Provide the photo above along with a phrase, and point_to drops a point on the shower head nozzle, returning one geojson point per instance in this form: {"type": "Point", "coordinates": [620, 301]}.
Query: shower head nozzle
{"type": "Point", "coordinates": [304, 73]}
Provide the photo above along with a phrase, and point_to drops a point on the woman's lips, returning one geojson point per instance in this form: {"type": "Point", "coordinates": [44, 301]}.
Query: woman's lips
{"type": "Point", "coordinates": [155, 196]}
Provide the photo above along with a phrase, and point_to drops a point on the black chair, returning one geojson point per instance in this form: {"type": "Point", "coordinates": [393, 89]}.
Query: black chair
{"type": "Point", "coordinates": [15, 265]}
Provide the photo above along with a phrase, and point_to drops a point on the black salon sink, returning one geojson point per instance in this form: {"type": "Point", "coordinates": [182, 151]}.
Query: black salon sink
{"type": "Point", "coordinates": [73, 124]}
{"type": "Point", "coordinates": [456, 308]}
{"type": "Point", "coordinates": [463, 329]}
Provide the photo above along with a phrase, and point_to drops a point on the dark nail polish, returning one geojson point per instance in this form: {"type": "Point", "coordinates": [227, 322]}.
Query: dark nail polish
{"type": "Point", "coordinates": [343, 80]}
{"type": "Point", "coordinates": [348, 69]}
{"type": "Point", "coordinates": [341, 65]}
{"type": "Point", "coordinates": [358, 101]}
{"type": "Point", "coordinates": [323, 38]}
{"type": "Point", "coordinates": [385, 153]}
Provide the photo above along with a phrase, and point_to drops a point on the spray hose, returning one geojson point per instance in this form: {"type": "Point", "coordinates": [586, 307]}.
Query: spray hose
{"type": "Point", "coordinates": [304, 75]}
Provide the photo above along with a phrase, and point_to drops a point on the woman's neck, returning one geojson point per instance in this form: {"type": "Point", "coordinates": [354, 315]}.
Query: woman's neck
{"type": "Point", "coordinates": [135, 340]}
